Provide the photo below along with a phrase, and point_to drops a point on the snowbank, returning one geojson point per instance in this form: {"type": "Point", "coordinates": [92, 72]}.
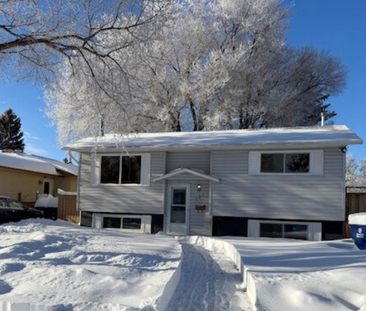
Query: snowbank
{"type": "Point", "coordinates": [46, 200]}
{"type": "Point", "coordinates": [357, 219]}
{"type": "Point", "coordinates": [55, 265]}
{"type": "Point", "coordinates": [287, 275]}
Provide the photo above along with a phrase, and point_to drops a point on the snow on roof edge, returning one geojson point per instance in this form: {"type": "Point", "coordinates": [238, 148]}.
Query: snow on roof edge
{"type": "Point", "coordinates": [334, 133]}
{"type": "Point", "coordinates": [33, 163]}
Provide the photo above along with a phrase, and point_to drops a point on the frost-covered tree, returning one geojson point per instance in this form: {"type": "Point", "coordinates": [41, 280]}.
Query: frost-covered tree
{"type": "Point", "coordinates": [11, 136]}
{"type": "Point", "coordinates": [355, 172]}
{"type": "Point", "coordinates": [213, 65]}
{"type": "Point", "coordinates": [351, 170]}
{"type": "Point", "coordinates": [35, 36]}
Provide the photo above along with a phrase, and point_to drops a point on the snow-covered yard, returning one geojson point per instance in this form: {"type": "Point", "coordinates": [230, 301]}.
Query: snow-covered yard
{"type": "Point", "coordinates": [56, 266]}
{"type": "Point", "coordinates": [287, 275]}
{"type": "Point", "coordinates": [47, 265]}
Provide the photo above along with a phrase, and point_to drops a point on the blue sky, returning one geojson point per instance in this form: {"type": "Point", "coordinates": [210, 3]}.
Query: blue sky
{"type": "Point", "coordinates": [338, 26]}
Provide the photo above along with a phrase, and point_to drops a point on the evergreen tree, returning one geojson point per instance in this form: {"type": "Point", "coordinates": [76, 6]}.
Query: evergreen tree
{"type": "Point", "coordinates": [11, 136]}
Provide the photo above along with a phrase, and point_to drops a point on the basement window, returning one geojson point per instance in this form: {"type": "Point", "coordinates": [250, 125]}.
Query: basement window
{"type": "Point", "coordinates": [282, 230]}
{"type": "Point", "coordinates": [131, 223]}
{"type": "Point", "coordinates": [125, 222]}
{"type": "Point", "coordinates": [111, 222]}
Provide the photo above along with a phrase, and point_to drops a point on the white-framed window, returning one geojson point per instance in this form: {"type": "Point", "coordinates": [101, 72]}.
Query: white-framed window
{"type": "Point", "coordinates": [121, 169]}
{"type": "Point", "coordinates": [299, 162]}
{"type": "Point", "coordinates": [284, 229]}
{"type": "Point", "coordinates": [131, 223]}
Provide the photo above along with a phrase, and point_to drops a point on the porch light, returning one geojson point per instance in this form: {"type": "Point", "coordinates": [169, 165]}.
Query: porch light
{"type": "Point", "coordinates": [199, 188]}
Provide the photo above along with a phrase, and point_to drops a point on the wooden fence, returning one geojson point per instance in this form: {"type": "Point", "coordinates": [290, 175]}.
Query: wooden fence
{"type": "Point", "coordinates": [67, 208]}
{"type": "Point", "coordinates": [355, 203]}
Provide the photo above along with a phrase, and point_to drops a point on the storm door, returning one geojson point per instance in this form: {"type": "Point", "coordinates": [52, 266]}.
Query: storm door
{"type": "Point", "coordinates": [178, 209]}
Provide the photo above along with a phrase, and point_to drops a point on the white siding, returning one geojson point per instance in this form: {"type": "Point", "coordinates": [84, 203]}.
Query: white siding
{"type": "Point", "coordinates": [281, 196]}
{"type": "Point", "coordinates": [121, 198]}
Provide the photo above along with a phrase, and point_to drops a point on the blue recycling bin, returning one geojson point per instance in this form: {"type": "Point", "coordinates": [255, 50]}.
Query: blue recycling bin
{"type": "Point", "coordinates": [359, 235]}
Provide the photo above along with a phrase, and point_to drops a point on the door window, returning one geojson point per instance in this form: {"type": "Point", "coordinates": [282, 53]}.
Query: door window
{"type": "Point", "coordinates": [178, 206]}
{"type": "Point", "coordinates": [46, 187]}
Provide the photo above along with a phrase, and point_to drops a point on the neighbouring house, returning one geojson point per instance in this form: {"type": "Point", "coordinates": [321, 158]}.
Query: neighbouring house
{"type": "Point", "coordinates": [24, 177]}
{"type": "Point", "coordinates": [285, 182]}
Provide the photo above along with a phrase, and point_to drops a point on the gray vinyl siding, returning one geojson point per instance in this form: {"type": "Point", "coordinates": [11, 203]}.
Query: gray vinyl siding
{"type": "Point", "coordinates": [121, 198]}
{"type": "Point", "coordinates": [277, 196]}
{"type": "Point", "coordinates": [195, 160]}
{"type": "Point", "coordinates": [199, 222]}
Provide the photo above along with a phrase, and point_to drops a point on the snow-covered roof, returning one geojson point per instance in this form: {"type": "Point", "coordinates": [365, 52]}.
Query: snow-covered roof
{"type": "Point", "coordinates": [336, 135]}
{"type": "Point", "coordinates": [27, 162]}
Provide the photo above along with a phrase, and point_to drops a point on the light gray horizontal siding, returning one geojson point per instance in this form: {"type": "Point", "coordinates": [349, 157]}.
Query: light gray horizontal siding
{"type": "Point", "coordinates": [195, 160]}
{"type": "Point", "coordinates": [199, 222]}
{"type": "Point", "coordinates": [277, 196]}
{"type": "Point", "coordinates": [120, 198]}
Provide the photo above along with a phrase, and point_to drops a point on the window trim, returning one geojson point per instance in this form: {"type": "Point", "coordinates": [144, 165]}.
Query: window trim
{"type": "Point", "coordinates": [284, 162]}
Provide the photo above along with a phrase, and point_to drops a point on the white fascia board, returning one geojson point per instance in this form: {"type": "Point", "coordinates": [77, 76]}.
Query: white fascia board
{"type": "Point", "coordinates": [186, 170]}
{"type": "Point", "coordinates": [261, 146]}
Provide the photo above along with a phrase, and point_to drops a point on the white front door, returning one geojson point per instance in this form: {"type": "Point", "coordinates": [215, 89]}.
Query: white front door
{"type": "Point", "coordinates": [178, 209]}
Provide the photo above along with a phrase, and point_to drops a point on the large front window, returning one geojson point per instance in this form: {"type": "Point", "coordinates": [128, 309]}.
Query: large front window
{"type": "Point", "coordinates": [121, 170]}
{"type": "Point", "coordinates": [285, 163]}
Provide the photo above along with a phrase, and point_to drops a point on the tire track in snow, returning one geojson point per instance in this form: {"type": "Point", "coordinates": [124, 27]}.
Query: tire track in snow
{"type": "Point", "coordinates": [208, 283]}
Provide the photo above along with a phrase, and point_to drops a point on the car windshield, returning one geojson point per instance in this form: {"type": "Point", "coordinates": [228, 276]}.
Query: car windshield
{"type": "Point", "coordinates": [3, 203]}
{"type": "Point", "coordinates": [15, 204]}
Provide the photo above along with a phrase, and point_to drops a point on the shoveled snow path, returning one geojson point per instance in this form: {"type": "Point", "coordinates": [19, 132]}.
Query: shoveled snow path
{"type": "Point", "coordinates": [208, 282]}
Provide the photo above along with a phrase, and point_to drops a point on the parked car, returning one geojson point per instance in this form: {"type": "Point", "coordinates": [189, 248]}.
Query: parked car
{"type": "Point", "coordinates": [13, 210]}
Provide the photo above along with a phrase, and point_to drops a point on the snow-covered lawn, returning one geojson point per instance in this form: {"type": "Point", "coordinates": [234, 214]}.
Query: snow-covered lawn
{"type": "Point", "coordinates": [47, 265]}
{"type": "Point", "coordinates": [288, 275]}
{"type": "Point", "coordinates": [57, 266]}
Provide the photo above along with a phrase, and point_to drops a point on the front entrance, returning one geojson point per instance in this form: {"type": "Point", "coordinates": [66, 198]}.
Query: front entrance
{"type": "Point", "coordinates": [47, 186]}
{"type": "Point", "coordinates": [178, 209]}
